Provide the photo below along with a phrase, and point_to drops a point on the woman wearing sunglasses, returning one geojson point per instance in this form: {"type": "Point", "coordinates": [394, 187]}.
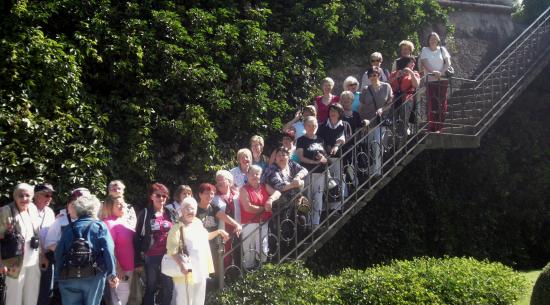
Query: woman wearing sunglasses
{"type": "Point", "coordinates": [375, 61]}
{"type": "Point", "coordinates": [153, 225]}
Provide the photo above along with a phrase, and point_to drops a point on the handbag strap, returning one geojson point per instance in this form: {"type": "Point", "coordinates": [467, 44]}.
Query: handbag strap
{"type": "Point", "coordinates": [441, 51]}
{"type": "Point", "coordinates": [182, 247]}
{"type": "Point", "coordinates": [373, 98]}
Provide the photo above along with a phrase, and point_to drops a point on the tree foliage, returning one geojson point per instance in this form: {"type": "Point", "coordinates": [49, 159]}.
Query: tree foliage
{"type": "Point", "coordinates": [167, 90]}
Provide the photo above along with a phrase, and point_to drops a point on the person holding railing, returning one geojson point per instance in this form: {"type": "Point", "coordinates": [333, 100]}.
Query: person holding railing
{"type": "Point", "coordinates": [285, 175]}
{"type": "Point", "coordinates": [435, 61]}
{"type": "Point", "coordinates": [404, 81]}
{"type": "Point", "coordinates": [311, 151]}
{"type": "Point", "coordinates": [256, 201]}
{"type": "Point", "coordinates": [323, 101]}
{"type": "Point", "coordinates": [376, 99]}
{"type": "Point", "coordinates": [211, 215]}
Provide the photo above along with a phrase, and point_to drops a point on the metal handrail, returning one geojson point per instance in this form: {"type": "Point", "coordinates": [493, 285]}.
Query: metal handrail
{"type": "Point", "coordinates": [396, 154]}
{"type": "Point", "coordinates": [520, 36]}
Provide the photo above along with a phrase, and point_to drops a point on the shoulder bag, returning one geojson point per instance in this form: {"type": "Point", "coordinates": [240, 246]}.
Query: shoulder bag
{"type": "Point", "coordinates": [169, 266]}
{"type": "Point", "coordinates": [450, 72]}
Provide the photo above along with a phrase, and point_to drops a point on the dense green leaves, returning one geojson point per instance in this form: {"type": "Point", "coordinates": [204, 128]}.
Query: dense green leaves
{"type": "Point", "coordinates": [418, 281]}
{"type": "Point", "coordinates": [161, 90]}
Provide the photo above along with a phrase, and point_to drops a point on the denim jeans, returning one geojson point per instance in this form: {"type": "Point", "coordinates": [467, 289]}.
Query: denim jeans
{"type": "Point", "coordinates": [155, 278]}
{"type": "Point", "coordinates": [85, 291]}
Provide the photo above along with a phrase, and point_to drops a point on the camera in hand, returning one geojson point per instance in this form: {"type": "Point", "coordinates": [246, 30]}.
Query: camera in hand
{"type": "Point", "coordinates": [35, 242]}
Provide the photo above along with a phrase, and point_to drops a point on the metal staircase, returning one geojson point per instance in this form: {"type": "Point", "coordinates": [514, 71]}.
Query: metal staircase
{"type": "Point", "coordinates": [474, 105]}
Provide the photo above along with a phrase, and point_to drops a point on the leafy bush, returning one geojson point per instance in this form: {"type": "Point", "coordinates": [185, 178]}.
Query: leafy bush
{"type": "Point", "coordinates": [418, 281]}
{"type": "Point", "coordinates": [541, 290]}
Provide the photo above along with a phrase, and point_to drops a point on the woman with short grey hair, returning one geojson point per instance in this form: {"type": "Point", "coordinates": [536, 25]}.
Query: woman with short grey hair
{"type": "Point", "coordinates": [85, 284]}
{"type": "Point", "coordinates": [20, 247]}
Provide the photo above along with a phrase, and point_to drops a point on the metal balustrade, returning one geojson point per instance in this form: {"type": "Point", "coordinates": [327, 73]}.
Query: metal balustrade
{"type": "Point", "coordinates": [373, 155]}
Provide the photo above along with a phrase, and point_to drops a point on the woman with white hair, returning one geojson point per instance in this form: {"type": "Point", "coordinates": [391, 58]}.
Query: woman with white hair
{"type": "Point", "coordinates": [20, 247]}
{"type": "Point", "coordinates": [84, 283]}
{"type": "Point", "coordinates": [352, 84]}
{"type": "Point", "coordinates": [322, 102]}
{"type": "Point", "coordinates": [244, 157]}
{"type": "Point", "coordinates": [191, 286]}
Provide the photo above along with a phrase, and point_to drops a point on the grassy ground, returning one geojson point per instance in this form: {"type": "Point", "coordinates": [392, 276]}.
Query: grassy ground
{"type": "Point", "coordinates": [531, 276]}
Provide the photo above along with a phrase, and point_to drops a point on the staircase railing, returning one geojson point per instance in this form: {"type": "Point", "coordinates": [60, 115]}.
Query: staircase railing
{"type": "Point", "coordinates": [376, 153]}
{"type": "Point", "coordinates": [473, 106]}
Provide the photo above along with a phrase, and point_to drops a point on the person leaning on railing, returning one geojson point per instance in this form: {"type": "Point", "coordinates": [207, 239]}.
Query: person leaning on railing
{"type": "Point", "coordinates": [376, 100]}
{"type": "Point", "coordinates": [435, 61]}
{"type": "Point", "coordinates": [256, 201]}
{"type": "Point", "coordinates": [311, 151]}
{"type": "Point", "coordinates": [19, 260]}
{"type": "Point", "coordinates": [285, 175]}
{"type": "Point", "coordinates": [211, 215]}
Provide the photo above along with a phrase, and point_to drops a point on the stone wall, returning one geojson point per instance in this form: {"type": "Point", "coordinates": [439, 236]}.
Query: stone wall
{"type": "Point", "coordinates": [483, 28]}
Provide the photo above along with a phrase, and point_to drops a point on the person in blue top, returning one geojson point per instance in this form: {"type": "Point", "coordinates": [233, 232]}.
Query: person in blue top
{"type": "Point", "coordinates": [87, 285]}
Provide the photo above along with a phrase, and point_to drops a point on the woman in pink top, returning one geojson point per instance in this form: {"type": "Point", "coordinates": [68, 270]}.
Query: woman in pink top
{"type": "Point", "coordinates": [256, 201]}
{"type": "Point", "coordinates": [323, 101]}
{"type": "Point", "coordinates": [123, 236]}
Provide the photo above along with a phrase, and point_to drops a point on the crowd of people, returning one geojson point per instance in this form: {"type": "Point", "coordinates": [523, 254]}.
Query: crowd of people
{"type": "Point", "coordinates": [96, 250]}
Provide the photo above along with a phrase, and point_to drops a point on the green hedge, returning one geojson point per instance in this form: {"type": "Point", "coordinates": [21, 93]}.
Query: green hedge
{"type": "Point", "coordinates": [418, 281]}
{"type": "Point", "coordinates": [541, 290]}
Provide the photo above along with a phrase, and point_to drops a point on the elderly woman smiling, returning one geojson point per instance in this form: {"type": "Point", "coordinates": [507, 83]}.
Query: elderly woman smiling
{"type": "Point", "coordinates": [191, 286]}
{"type": "Point", "coordinates": [20, 218]}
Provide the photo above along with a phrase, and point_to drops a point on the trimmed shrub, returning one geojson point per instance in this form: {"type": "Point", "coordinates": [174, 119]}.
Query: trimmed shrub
{"type": "Point", "coordinates": [541, 290]}
{"type": "Point", "coordinates": [419, 281]}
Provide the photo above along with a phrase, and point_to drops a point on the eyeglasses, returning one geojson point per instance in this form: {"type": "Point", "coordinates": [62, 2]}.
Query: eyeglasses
{"type": "Point", "coordinates": [160, 195]}
{"type": "Point", "coordinates": [47, 195]}
{"type": "Point", "coordinates": [371, 75]}
{"type": "Point", "coordinates": [375, 60]}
